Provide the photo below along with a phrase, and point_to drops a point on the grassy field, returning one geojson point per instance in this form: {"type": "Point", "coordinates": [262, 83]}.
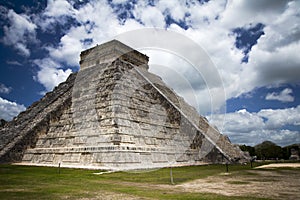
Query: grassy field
{"type": "Point", "coordinates": [27, 182]}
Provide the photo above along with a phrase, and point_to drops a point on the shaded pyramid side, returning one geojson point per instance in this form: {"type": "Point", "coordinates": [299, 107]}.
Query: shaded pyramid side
{"type": "Point", "coordinates": [214, 141]}
{"type": "Point", "coordinates": [85, 129]}
{"type": "Point", "coordinates": [22, 132]}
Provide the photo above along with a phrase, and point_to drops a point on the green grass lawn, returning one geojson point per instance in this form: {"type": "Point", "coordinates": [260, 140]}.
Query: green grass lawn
{"type": "Point", "coordinates": [27, 182]}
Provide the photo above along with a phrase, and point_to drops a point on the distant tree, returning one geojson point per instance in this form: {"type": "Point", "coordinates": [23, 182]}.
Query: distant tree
{"type": "Point", "coordinates": [286, 151]}
{"type": "Point", "coordinates": [250, 149]}
{"type": "Point", "coordinates": [2, 122]}
{"type": "Point", "coordinates": [268, 150]}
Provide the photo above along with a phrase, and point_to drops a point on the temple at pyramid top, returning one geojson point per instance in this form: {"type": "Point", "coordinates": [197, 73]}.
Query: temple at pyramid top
{"type": "Point", "coordinates": [110, 51]}
{"type": "Point", "coordinates": [113, 114]}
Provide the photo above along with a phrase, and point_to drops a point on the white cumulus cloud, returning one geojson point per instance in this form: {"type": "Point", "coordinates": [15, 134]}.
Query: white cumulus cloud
{"type": "Point", "coordinates": [57, 8]}
{"type": "Point", "coordinates": [50, 73]}
{"type": "Point", "coordinates": [284, 96]}
{"type": "Point", "coordinates": [20, 32]}
{"type": "Point", "coordinates": [9, 109]}
{"type": "Point", "coordinates": [277, 125]}
{"type": "Point", "coordinates": [281, 117]}
{"type": "Point", "coordinates": [4, 89]}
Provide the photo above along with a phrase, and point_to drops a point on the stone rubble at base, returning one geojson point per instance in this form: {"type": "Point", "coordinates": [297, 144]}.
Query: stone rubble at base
{"type": "Point", "coordinates": [113, 114]}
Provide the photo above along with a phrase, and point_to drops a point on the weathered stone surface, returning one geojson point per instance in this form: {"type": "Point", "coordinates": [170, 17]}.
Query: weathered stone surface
{"type": "Point", "coordinates": [22, 132]}
{"type": "Point", "coordinates": [113, 114]}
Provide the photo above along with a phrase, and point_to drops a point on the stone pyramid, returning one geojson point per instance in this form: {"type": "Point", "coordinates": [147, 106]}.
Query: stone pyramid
{"type": "Point", "coordinates": [113, 114]}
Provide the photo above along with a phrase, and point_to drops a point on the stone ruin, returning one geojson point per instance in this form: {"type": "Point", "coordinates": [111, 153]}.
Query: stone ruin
{"type": "Point", "coordinates": [113, 114]}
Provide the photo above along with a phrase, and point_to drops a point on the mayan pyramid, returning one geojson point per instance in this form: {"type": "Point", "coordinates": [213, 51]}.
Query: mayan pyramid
{"type": "Point", "coordinates": [113, 114]}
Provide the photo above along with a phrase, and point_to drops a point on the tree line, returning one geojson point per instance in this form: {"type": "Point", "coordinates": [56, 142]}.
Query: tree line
{"type": "Point", "coordinates": [268, 150]}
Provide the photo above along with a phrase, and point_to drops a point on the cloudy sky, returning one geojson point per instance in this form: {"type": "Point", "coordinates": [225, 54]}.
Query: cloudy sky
{"type": "Point", "coordinates": [253, 47]}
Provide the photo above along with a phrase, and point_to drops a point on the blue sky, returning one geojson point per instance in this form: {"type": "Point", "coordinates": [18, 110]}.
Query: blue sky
{"type": "Point", "coordinates": [254, 46]}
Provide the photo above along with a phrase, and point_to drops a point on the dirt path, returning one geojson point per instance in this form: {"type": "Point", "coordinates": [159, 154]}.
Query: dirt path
{"type": "Point", "coordinates": [279, 184]}
{"type": "Point", "coordinates": [278, 165]}
{"type": "Point", "coordinates": [113, 196]}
